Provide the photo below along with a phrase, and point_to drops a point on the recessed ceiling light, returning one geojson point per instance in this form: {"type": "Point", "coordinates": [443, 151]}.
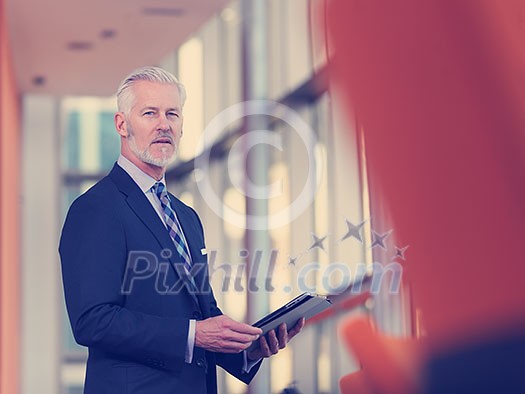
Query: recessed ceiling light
{"type": "Point", "coordinates": [163, 11]}
{"type": "Point", "coordinates": [79, 45]}
{"type": "Point", "coordinates": [39, 80]}
{"type": "Point", "coordinates": [108, 33]}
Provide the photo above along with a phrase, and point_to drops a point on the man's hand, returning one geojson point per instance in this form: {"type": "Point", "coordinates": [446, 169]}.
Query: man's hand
{"type": "Point", "coordinates": [275, 342]}
{"type": "Point", "coordinates": [225, 335]}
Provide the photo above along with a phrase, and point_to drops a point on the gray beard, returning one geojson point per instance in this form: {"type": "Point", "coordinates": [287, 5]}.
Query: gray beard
{"type": "Point", "coordinates": [145, 155]}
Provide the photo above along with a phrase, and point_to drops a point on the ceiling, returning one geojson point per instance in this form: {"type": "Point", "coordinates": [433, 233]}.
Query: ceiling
{"type": "Point", "coordinates": [78, 47]}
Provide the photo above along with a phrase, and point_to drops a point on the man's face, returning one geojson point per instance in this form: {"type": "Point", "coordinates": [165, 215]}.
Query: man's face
{"type": "Point", "coordinates": [154, 123]}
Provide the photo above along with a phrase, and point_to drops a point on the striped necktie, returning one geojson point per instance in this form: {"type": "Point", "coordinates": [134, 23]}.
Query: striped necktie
{"type": "Point", "coordinates": [172, 224]}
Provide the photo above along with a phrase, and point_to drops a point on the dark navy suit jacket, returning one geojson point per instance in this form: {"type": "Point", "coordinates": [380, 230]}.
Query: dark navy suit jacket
{"type": "Point", "coordinates": [128, 297]}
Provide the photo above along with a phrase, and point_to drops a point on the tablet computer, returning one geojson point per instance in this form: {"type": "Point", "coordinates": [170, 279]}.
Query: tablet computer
{"type": "Point", "coordinates": [304, 305]}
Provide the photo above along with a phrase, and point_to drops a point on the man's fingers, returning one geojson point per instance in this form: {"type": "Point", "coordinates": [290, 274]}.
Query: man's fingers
{"type": "Point", "coordinates": [243, 328]}
{"type": "Point", "coordinates": [235, 336]}
{"type": "Point", "coordinates": [221, 333]}
{"type": "Point", "coordinates": [273, 342]}
{"type": "Point", "coordinates": [264, 348]}
{"type": "Point", "coordinates": [228, 345]}
{"type": "Point", "coordinates": [296, 329]}
{"type": "Point", "coordinates": [283, 336]}
{"type": "Point", "coordinates": [233, 347]}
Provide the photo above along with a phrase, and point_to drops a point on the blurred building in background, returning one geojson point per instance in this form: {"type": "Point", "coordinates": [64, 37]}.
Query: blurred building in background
{"type": "Point", "coordinates": [230, 53]}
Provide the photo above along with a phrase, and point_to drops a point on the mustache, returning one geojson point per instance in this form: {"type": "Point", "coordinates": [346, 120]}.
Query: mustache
{"type": "Point", "coordinates": [167, 135]}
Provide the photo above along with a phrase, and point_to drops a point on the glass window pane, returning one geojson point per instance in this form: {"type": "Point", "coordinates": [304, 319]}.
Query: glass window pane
{"type": "Point", "coordinates": [109, 141]}
{"type": "Point", "coordinates": [72, 140]}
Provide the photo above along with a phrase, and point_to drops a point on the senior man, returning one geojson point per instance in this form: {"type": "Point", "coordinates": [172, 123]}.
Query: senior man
{"type": "Point", "coordinates": [161, 333]}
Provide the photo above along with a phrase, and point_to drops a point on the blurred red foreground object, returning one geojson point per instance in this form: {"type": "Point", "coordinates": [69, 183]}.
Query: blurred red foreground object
{"type": "Point", "coordinates": [438, 88]}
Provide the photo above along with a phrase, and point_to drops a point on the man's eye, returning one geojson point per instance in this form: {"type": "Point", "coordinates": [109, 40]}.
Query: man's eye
{"type": "Point", "coordinates": [149, 113]}
{"type": "Point", "coordinates": [171, 114]}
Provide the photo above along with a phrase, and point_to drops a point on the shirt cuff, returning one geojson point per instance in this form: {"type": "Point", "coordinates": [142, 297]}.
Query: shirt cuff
{"type": "Point", "coordinates": [248, 365]}
{"type": "Point", "coordinates": [191, 342]}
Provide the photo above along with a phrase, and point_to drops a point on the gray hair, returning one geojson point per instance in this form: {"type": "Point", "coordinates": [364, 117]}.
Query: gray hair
{"type": "Point", "coordinates": [125, 94]}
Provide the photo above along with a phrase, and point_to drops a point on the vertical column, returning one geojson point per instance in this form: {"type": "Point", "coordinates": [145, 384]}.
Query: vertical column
{"type": "Point", "coordinates": [255, 85]}
{"type": "Point", "coordinates": [9, 216]}
{"type": "Point", "coordinates": [42, 303]}
{"type": "Point", "coordinates": [305, 345]}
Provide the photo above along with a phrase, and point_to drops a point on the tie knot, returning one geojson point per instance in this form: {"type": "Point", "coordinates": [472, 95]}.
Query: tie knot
{"type": "Point", "coordinates": [159, 189]}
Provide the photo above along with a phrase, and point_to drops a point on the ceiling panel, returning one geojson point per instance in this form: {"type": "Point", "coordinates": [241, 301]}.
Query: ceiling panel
{"type": "Point", "coordinates": [87, 47]}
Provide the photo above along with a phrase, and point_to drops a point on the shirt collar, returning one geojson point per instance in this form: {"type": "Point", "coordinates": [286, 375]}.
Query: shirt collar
{"type": "Point", "coordinates": [143, 180]}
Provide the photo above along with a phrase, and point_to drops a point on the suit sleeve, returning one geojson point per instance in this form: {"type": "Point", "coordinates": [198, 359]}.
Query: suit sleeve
{"type": "Point", "coordinates": [93, 255]}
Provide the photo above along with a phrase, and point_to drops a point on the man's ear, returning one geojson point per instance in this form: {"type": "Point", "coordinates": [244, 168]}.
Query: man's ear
{"type": "Point", "coordinates": [120, 124]}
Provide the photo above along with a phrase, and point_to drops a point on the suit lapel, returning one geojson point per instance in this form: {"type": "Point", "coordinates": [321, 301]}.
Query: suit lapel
{"type": "Point", "coordinates": [139, 203]}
